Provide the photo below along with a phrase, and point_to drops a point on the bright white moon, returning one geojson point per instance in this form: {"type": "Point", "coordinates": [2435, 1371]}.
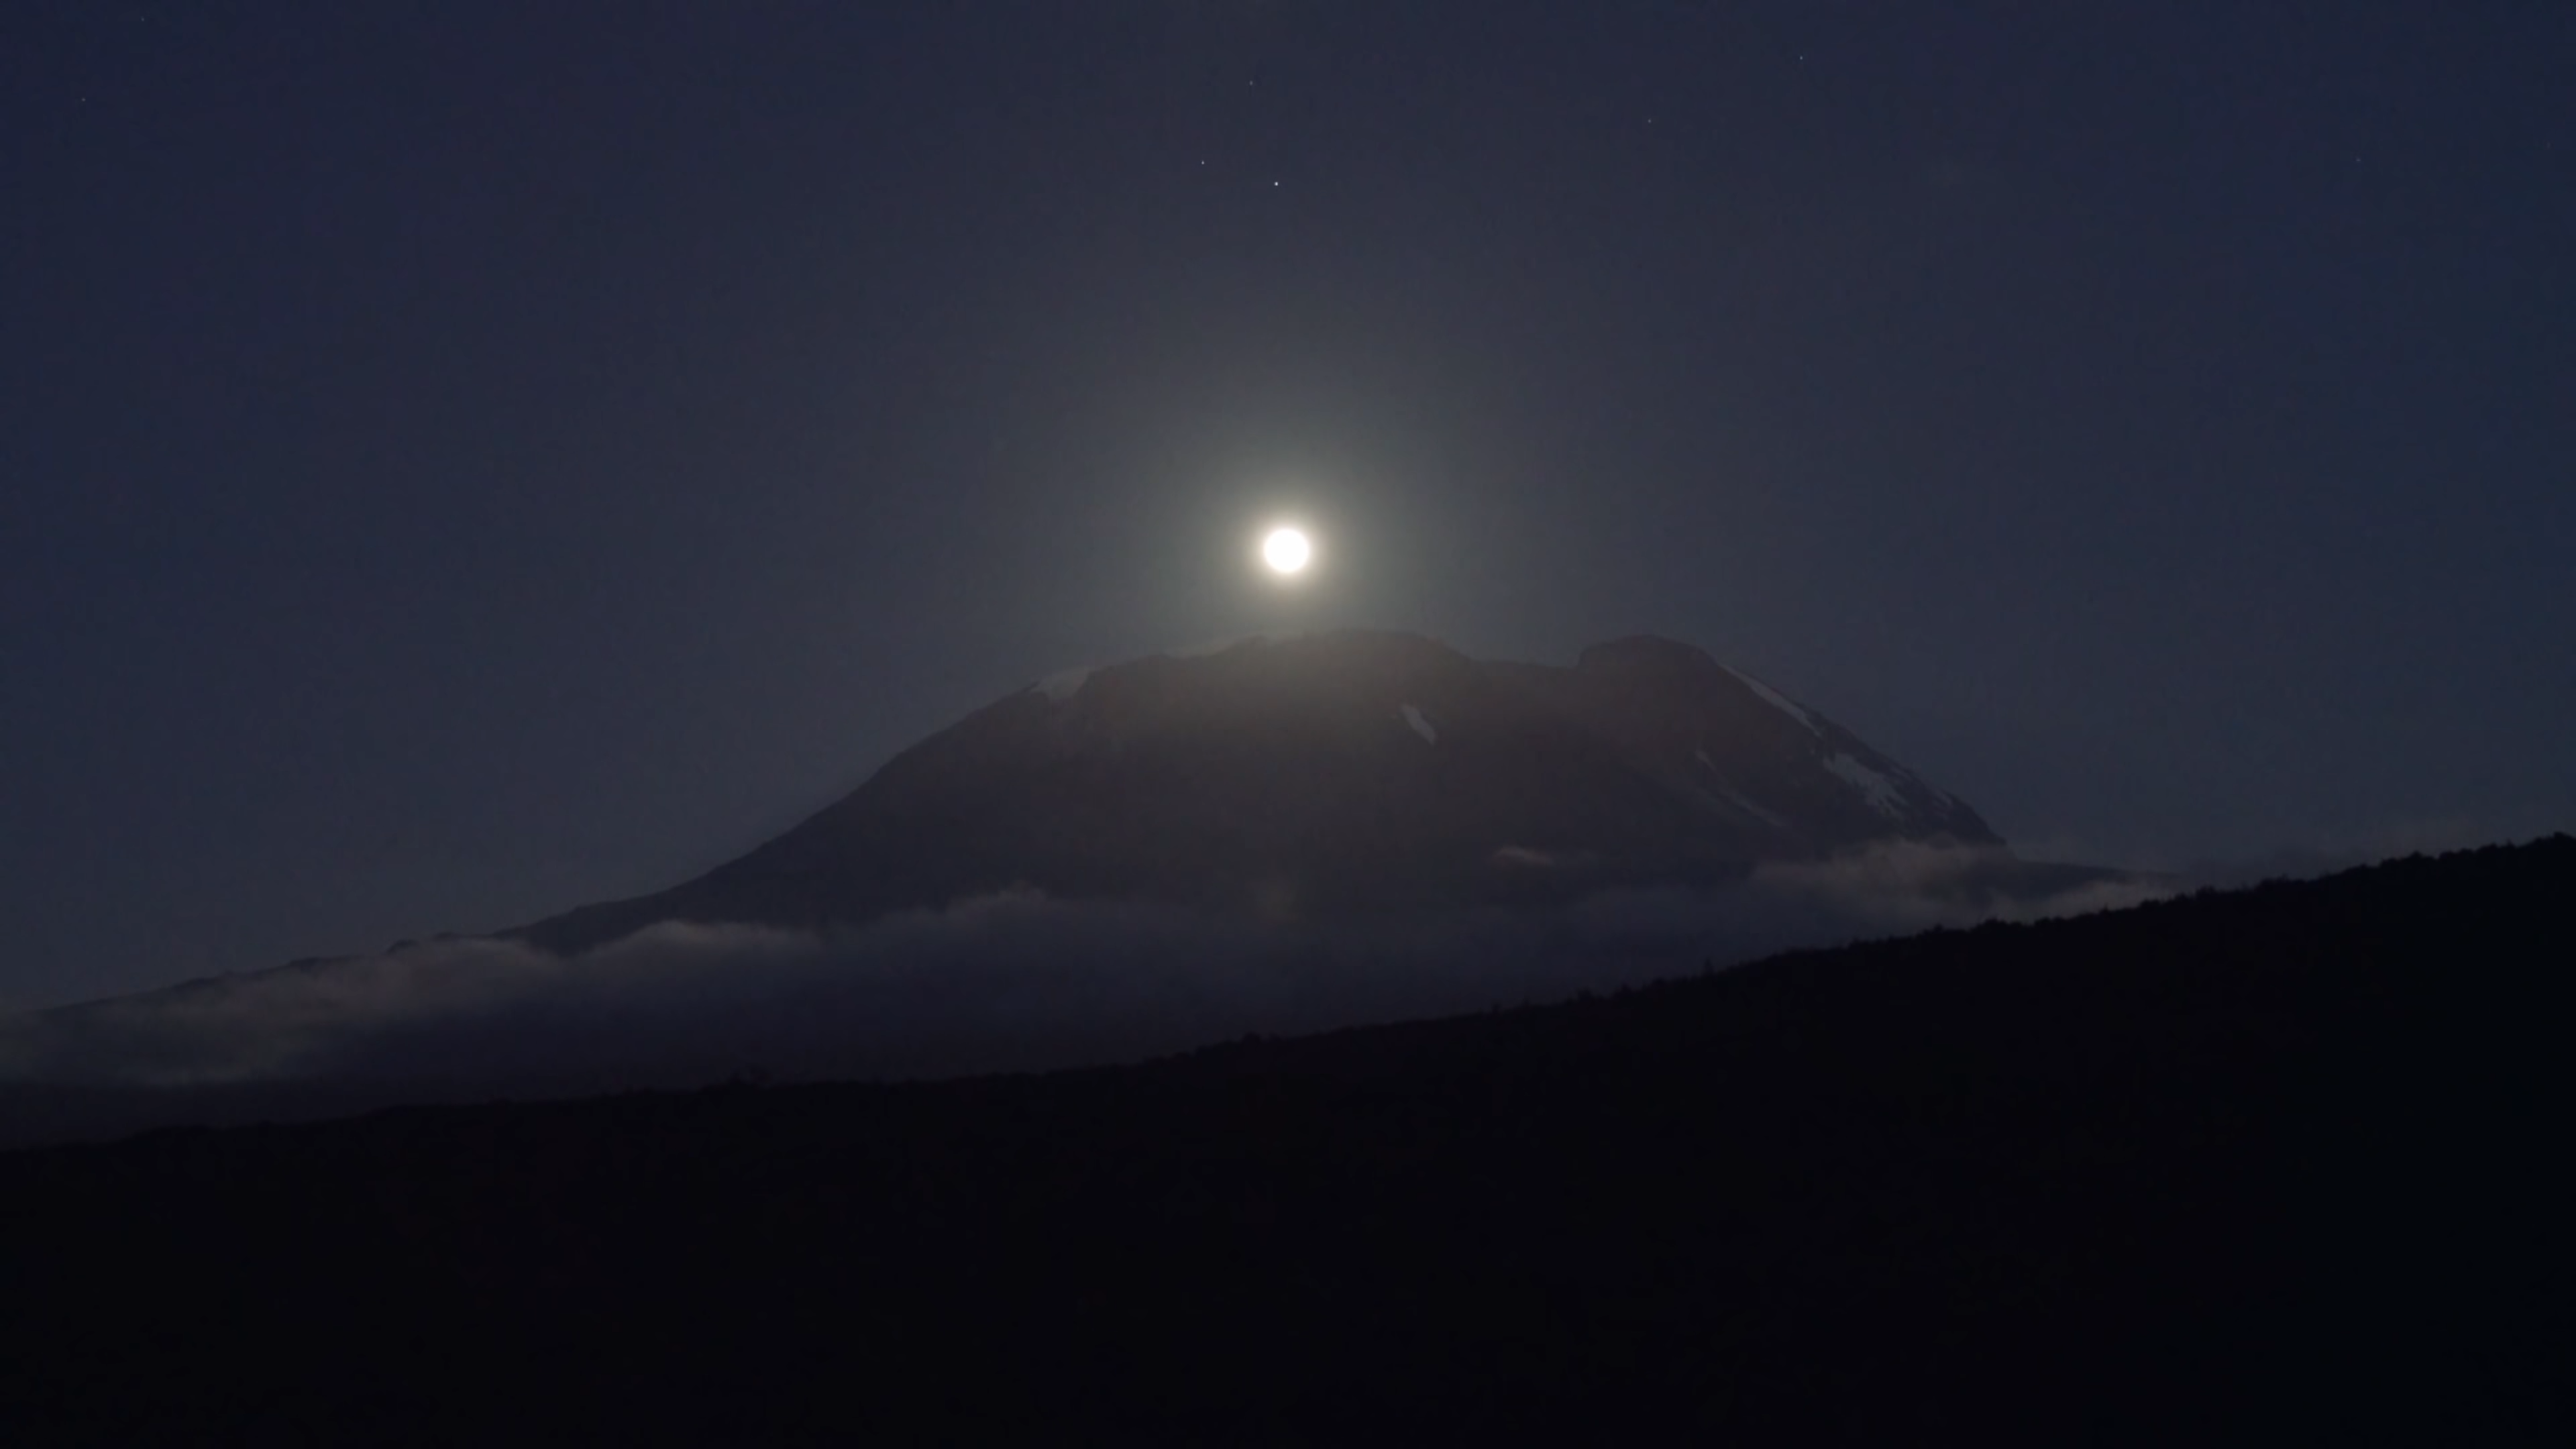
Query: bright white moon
{"type": "Point", "coordinates": [1286, 550]}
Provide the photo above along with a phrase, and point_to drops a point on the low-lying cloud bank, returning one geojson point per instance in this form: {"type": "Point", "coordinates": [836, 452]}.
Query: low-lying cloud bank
{"type": "Point", "coordinates": [1000, 983]}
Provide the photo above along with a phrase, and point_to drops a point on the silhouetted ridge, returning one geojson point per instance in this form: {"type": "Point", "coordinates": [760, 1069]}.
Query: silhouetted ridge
{"type": "Point", "coordinates": [1644, 651]}
{"type": "Point", "coordinates": [2283, 1155]}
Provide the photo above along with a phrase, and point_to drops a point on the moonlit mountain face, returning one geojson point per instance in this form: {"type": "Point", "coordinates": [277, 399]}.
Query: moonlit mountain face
{"type": "Point", "coordinates": [1348, 772]}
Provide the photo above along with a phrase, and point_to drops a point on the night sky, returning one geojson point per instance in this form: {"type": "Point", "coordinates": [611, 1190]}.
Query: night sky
{"type": "Point", "coordinates": [460, 460]}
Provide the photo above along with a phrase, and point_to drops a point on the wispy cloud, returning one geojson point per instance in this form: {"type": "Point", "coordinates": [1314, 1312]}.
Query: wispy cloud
{"type": "Point", "coordinates": [1002, 982]}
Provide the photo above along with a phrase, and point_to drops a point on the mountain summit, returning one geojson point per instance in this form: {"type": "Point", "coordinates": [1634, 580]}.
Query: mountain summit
{"type": "Point", "coordinates": [1300, 777]}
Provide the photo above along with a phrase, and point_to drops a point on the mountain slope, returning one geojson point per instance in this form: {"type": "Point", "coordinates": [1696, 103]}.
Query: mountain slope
{"type": "Point", "coordinates": [1347, 771]}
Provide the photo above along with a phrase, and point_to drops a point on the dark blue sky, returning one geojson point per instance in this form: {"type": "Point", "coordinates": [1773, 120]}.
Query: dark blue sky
{"type": "Point", "coordinates": [460, 460]}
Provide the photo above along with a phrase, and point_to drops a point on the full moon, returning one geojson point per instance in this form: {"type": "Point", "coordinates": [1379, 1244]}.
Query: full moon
{"type": "Point", "coordinates": [1286, 550]}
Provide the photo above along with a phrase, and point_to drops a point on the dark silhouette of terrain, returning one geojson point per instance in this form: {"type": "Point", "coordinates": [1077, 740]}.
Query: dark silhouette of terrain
{"type": "Point", "coordinates": [1323, 774]}
{"type": "Point", "coordinates": [2281, 1162]}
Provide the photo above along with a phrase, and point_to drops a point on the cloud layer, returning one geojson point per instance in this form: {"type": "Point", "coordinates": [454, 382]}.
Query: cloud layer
{"type": "Point", "coordinates": [998, 983]}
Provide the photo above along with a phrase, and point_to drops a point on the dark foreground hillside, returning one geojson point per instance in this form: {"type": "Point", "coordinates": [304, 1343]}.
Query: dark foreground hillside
{"type": "Point", "coordinates": [2284, 1158]}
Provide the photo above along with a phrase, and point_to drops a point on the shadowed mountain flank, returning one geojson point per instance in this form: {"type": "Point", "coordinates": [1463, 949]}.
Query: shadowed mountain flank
{"type": "Point", "coordinates": [1319, 775]}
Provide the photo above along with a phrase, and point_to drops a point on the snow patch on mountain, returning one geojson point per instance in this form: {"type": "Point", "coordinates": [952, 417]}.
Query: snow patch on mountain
{"type": "Point", "coordinates": [1064, 684]}
{"type": "Point", "coordinates": [1736, 798]}
{"type": "Point", "coordinates": [1942, 797]}
{"type": "Point", "coordinates": [1421, 725]}
{"type": "Point", "coordinates": [1726, 793]}
{"type": "Point", "coordinates": [1881, 792]}
{"type": "Point", "coordinates": [1778, 701]}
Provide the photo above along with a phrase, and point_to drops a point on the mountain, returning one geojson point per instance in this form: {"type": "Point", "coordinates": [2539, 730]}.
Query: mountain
{"type": "Point", "coordinates": [1291, 778]}
{"type": "Point", "coordinates": [1277, 835]}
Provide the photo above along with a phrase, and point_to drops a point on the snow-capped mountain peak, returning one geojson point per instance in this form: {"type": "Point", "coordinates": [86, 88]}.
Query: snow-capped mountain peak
{"type": "Point", "coordinates": [1331, 772]}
